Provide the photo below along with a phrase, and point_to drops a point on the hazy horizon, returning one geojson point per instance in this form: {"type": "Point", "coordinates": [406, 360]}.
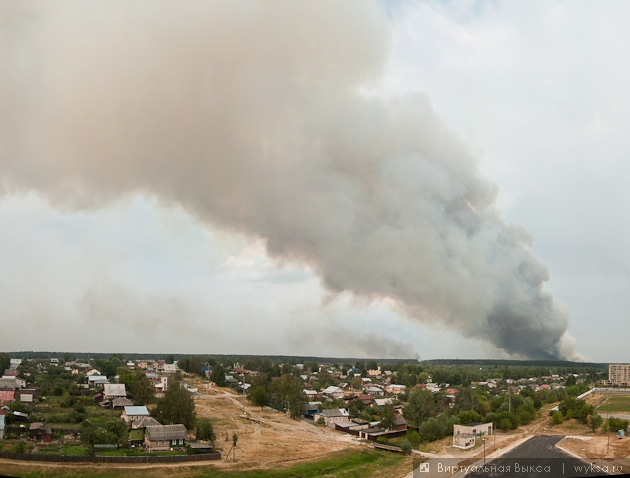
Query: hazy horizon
{"type": "Point", "coordinates": [378, 178]}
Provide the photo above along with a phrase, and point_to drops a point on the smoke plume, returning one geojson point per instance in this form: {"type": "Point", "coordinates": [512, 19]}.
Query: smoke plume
{"type": "Point", "coordinates": [251, 116]}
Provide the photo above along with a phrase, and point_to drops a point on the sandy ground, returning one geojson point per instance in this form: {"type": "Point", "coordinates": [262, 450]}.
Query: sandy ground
{"type": "Point", "coordinates": [266, 437]}
{"type": "Point", "coordinates": [597, 446]}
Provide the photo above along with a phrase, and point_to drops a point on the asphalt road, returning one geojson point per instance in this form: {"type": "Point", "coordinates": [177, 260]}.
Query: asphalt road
{"type": "Point", "coordinates": [538, 457]}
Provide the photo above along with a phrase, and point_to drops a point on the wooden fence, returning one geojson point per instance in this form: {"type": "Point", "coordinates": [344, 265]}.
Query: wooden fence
{"type": "Point", "coordinates": [112, 459]}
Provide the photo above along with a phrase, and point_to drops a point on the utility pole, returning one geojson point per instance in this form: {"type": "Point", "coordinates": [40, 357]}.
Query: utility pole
{"type": "Point", "coordinates": [243, 386]}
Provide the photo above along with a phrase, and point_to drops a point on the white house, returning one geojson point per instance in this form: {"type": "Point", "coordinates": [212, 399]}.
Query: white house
{"type": "Point", "coordinates": [332, 416]}
{"type": "Point", "coordinates": [374, 391]}
{"type": "Point", "coordinates": [333, 392]}
{"type": "Point", "coordinates": [464, 436]}
{"type": "Point", "coordinates": [132, 414]}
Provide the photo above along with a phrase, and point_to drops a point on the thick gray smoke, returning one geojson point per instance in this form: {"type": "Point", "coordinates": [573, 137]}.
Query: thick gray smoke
{"type": "Point", "coordinates": [251, 116]}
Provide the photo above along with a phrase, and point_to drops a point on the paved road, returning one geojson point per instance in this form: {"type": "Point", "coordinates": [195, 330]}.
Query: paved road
{"type": "Point", "coordinates": [539, 457]}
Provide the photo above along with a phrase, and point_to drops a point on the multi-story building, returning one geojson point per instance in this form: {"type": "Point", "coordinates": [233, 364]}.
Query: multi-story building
{"type": "Point", "coordinates": [619, 375]}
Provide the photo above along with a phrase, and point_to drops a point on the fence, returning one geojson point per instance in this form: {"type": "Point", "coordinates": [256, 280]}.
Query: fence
{"type": "Point", "coordinates": [112, 459]}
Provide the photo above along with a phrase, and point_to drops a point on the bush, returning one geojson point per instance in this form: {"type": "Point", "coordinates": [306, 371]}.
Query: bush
{"type": "Point", "coordinates": [19, 447]}
{"type": "Point", "coordinates": [557, 418]}
{"type": "Point", "coordinates": [406, 447]}
{"type": "Point", "coordinates": [381, 440]}
{"type": "Point", "coordinates": [614, 424]}
{"type": "Point", "coordinates": [413, 437]}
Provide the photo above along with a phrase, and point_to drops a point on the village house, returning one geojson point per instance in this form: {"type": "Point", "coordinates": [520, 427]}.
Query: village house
{"type": "Point", "coordinates": [375, 373]}
{"type": "Point", "coordinates": [396, 389]}
{"type": "Point", "coordinates": [131, 414]}
{"type": "Point", "coordinates": [333, 392]}
{"type": "Point", "coordinates": [401, 423]}
{"type": "Point", "coordinates": [121, 402]}
{"type": "Point", "coordinates": [2, 426]}
{"type": "Point", "coordinates": [95, 380]}
{"type": "Point", "coordinates": [381, 402]}
{"type": "Point", "coordinates": [332, 416]}
{"type": "Point", "coordinates": [164, 437]}
{"type": "Point", "coordinates": [114, 390]}
{"type": "Point", "coordinates": [375, 391]}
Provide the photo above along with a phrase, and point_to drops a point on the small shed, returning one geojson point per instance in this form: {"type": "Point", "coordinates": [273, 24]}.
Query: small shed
{"type": "Point", "coordinates": [39, 431]}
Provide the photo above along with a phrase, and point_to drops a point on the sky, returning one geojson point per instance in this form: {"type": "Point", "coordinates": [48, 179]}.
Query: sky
{"type": "Point", "coordinates": [366, 179]}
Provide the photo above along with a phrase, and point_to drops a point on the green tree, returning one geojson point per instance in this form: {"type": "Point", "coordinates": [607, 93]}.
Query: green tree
{"type": "Point", "coordinates": [205, 430]}
{"type": "Point", "coordinates": [420, 407]}
{"type": "Point", "coordinates": [413, 437]}
{"type": "Point", "coordinates": [19, 447]}
{"type": "Point", "coordinates": [127, 378]}
{"type": "Point", "coordinates": [143, 390]}
{"type": "Point", "coordinates": [108, 369]}
{"type": "Point", "coordinates": [5, 362]}
{"type": "Point", "coordinates": [259, 396]}
{"type": "Point", "coordinates": [406, 447]}
{"type": "Point", "coordinates": [177, 406]}
{"type": "Point", "coordinates": [468, 416]}
{"type": "Point", "coordinates": [615, 424]}
{"type": "Point", "coordinates": [465, 399]}
{"type": "Point", "coordinates": [595, 421]}
{"type": "Point", "coordinates": [557, 418]}
{"type": "Point", "coordinates": [388, 417]}
{"type": "Point", "coordinates": [218, 375]}
{"type": "Point", "coordinates": [288, 393]}
{"type": "Point", "coordinates": [356, 383]}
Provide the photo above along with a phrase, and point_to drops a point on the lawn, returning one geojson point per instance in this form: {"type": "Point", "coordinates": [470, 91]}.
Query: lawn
{"type": "Point", "coordinates": [344, 464]}
{"type": "Point", "coordinates": [615, 404]}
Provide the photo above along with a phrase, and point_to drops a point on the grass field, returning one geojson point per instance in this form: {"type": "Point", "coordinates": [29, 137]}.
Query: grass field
{"type": "Point", "coordinates": [615, 404]}
{"type": "Point", "coordinates": [343, 464]}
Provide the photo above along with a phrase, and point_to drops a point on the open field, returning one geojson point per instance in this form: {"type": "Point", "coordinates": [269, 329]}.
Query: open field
{"type": "Point", "coordinates": [614, 404]}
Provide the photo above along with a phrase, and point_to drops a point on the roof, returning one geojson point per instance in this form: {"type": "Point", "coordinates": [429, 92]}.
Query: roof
{"type": "Point", "coordinates": [166, 432]}
{"type": "Point", "coordinates": [331, 389]}
{"type": "Point", "coordinates": [200, 446]}
{"type": "Point", "coordinates": [145, 422]}
{"type": "Point", "coordinates": [115, 389]}
{"type": "Point", "coordinates": [334, 412]}
{"type": "Point", "coordinates": [381, 402]}
{"type": "Point", "coordinates": [138, 410]}
{"type": "Point", "coordinates": [40, 426]}
{"type": "Point", "coordinates": [8, 382]}
{"type": "Point", "coordinates": [121, 402]}
{"type": "Point", "coordinates": [400, 420]}
{"type": "Point", "coordinates": [7, 396]}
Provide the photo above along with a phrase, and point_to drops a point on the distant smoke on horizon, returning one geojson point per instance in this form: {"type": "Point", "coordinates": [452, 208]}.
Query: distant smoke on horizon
{"type": "Point", "coordinates": [251, 116]}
